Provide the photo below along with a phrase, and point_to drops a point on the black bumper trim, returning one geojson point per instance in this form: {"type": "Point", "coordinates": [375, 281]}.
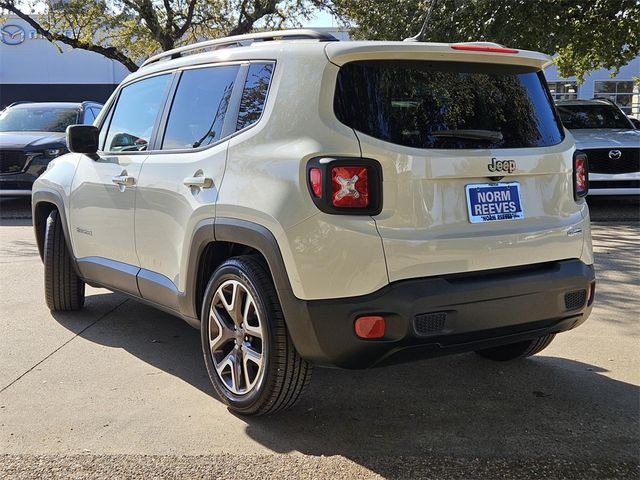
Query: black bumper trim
{"type": "Point", "coordinates": [483, 309]}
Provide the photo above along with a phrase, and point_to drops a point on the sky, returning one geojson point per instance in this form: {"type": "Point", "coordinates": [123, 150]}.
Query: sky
{"type": "Point", "coordinates": [321, 19]}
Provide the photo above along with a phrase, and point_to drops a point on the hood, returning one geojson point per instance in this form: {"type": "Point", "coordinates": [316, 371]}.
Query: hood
{"type": "Point", "coordinates": [606, 138]}
{"type": "Point", "coordinates": [31, 140]}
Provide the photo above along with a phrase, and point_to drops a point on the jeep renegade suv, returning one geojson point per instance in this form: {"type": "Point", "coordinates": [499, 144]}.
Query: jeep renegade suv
{"type": "Point", "coordinates": [304, 201]}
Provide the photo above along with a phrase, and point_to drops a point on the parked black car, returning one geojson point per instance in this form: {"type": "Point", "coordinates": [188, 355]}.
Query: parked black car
{"type": "Point", "coordinates": [31, 135]}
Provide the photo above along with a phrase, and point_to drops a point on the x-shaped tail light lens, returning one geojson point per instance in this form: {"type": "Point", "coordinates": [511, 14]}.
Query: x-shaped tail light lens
{"type": "Point", "coordinates": [350, 186]}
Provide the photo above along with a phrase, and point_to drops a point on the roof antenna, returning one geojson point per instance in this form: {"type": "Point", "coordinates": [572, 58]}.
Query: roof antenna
{"type": "Point", "coordinates": [418, 37]}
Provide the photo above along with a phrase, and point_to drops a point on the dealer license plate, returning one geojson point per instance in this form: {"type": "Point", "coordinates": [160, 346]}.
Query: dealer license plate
{"type": "Point", "coordinates": [490, 202]}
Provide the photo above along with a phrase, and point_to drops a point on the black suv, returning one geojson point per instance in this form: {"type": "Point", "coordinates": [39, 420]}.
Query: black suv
{"type": "Point", "coordinates": [31, 135]}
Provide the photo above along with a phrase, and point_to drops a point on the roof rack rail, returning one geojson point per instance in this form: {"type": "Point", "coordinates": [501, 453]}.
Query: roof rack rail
{"type": "Point", "coordinates": [18, 103]}
{"type": "Point", "coordinates": [243, 40]}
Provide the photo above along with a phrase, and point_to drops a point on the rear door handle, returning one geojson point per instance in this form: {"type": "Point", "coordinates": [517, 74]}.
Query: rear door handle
{"type": "Point", "coordinates": [199, 182]}
{"type": "Point", "coordinates": [124, 180]}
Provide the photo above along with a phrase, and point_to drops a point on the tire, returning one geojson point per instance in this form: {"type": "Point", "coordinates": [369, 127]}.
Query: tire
{"type": "Point", "coordinates": [243, 325]}
{"type": "Point", "coordinates": [513, 351]}
{"type": "Point", "coordinates": [63, 289]}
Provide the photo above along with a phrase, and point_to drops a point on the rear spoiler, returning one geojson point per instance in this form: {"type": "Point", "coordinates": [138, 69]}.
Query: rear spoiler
{"type": "Point", "coordinates": [340, 53]}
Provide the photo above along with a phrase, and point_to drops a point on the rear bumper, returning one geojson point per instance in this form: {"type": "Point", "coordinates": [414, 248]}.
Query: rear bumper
{"type": "Point", "coordinates": [428, 317]}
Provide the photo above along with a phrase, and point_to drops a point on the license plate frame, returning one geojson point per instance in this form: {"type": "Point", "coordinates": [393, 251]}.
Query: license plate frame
{"type": "Point", "coordinates": [484, 206]}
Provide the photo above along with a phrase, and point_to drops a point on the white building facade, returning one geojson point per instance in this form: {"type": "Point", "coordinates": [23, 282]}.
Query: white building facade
{"type": "Point", "coordinates": [33, 69]}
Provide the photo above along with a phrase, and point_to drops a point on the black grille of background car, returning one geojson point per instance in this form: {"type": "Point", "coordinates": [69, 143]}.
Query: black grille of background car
{"type": "Point", "coordinates": [599, 161]}
{"type": "Point", "coordinates": [426, 323]}
{"type": "Point", "coordinates": [12, 161]}
{"type": "Point", "coordinates": [575, 300]}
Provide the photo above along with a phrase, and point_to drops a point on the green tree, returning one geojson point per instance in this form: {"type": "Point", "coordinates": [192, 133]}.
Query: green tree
{"type": "Point", "coordinates": [586, 35]}
{"type": "Point", "coordinates": [132, 30]}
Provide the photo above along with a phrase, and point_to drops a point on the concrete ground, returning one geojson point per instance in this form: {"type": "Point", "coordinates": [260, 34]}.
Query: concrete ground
{"type": "Point", "coordinates": [120, 390]}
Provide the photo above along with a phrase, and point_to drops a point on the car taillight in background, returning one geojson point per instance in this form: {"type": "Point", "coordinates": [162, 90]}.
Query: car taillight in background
{"type": "Point", "coordinates": [350, 186]}
{"type": "Point", "coordinates": [580, 175]}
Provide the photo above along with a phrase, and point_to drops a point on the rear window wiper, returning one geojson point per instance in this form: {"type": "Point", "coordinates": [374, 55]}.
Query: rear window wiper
{"type": "Point", "coordinates": [490, 135]}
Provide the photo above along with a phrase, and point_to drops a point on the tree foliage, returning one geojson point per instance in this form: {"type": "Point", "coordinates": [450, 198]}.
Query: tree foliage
{"type": "Point", "coordinates": [132, 30]}
{"type": "Point", "coordinates": [586, 34]}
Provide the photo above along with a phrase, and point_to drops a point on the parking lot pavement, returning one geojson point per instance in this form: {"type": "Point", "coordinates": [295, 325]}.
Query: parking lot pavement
{"type": "Point", "coordinates": [120, 389]}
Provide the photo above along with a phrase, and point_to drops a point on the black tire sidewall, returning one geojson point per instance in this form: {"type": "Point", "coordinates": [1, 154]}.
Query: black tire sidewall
{"type": "Point", "coordinates": [236, 269]}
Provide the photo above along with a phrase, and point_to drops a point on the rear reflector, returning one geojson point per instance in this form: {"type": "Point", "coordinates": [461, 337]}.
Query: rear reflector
{"type": "Point", "coordinates": [370, 327]}
{"type": "Point", "coordinates": [483, 48]}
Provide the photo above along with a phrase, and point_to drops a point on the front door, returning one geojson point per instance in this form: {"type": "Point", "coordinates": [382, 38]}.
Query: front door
{"type": "Point", "coordinates": [102, 195]}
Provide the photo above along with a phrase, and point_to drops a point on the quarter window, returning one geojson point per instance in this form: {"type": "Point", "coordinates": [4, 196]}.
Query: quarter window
{"type": "Point", "coordinates": [254, 94]}
{"type": "Point", "coordinates": [135, 115]}
{"type": "Point", "coordinates": [89, 116]}
{"type": "Point", "coordinates": [199, 107]}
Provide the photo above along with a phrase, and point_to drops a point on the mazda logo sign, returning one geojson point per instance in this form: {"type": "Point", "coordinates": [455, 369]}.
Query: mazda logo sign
{"type": "Point", "coordinates": [615, 154]}
{"type": "Point", "coordinates": [12, 34]}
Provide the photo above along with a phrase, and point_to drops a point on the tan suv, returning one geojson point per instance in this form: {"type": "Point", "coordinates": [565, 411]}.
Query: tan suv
{"type": "Point", "coordinates": [306, 201]}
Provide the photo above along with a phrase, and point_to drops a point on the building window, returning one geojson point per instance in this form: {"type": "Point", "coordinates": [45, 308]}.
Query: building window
{"type": "Point", "coordinates": [563, 90]}
{"type": "Point", "coordinates": [623, 93]}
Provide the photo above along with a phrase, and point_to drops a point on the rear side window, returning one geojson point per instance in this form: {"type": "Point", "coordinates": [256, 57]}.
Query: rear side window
{"type": "Point", "coordinates": [135, 115]}
{"type": "Point", "coordinates": [199, 107]}
{"type": "Point", "coordinates": [449, 105]}
{"type": "Point", "coordinates": [255, 94]}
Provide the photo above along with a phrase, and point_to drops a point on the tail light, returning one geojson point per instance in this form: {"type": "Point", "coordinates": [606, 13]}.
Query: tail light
{"type": "Point", "coordinates": [350, 186]}
{"type": "Point", "coordinates": [580, 175]}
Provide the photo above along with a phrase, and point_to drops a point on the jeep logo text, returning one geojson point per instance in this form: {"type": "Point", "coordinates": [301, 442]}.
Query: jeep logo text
{"type": "Point", "coordinates": [502, 165]}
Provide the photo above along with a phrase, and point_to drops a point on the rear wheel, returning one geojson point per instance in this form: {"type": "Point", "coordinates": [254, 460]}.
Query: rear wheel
{"type": "Point", "coordinates": [250, 358]}
{"type": "Point", "coordinates": [64, 290]}
{"type": "Point", "coordinates": [517, 350]}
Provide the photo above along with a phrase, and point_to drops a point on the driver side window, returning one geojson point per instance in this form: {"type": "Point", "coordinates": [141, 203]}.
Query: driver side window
{"type": "Point", "coordinates": [134, 115]}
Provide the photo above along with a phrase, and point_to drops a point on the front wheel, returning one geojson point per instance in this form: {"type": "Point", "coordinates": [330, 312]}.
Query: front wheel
{"type": "Point", "coordinates": [513, 351]}
{"type": "Point", "coordinates": [64, 290]}
{"type": "Point", "coordinates": [251, 360]}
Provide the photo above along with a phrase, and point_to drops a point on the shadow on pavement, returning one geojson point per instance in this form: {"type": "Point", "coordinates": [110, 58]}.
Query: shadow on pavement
{"type": "Point", "coordinates": [459, 406]}
{"type": "Point", "coordinates": [15, 211]}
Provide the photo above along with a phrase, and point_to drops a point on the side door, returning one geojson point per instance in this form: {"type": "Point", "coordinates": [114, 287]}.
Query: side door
{"type": "Point", "coordinates": [102, 194]}
{"type": "Point", "coordinates": [179, 182]}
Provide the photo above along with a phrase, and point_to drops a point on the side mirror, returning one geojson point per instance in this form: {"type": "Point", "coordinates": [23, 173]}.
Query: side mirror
{"type": "Point", "coordinates": [82, 139]}
{"type": "Point", "coordinates": [635, 121]}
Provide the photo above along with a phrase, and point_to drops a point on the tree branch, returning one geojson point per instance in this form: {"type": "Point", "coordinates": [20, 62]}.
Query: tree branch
{"type": "Point", "coordinates": [109, 52]}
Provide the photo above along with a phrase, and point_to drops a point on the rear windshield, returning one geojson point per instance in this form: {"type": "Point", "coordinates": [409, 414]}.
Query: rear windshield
{"type": "Point", "coordinates": [37, 119]}
{"type": "Point", "coordinates": [592, 116]}
{"type": "Point", "coordinates": [449, 105]}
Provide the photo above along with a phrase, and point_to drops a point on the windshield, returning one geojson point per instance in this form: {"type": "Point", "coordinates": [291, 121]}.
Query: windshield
{"type": "Point", "coordinates": [37, 119]}
{"type": "Point", "coordinates": [592, 116]}
{"type": "Point", "coordinates": [449, 105]}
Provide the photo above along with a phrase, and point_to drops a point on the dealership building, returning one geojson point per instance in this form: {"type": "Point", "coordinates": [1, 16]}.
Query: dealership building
{"type": "Point", "coordinates": [31, 68]}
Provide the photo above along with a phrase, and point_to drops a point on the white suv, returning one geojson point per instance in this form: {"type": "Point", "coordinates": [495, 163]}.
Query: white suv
{"type": "Point", "coordinates": [306, 201]}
